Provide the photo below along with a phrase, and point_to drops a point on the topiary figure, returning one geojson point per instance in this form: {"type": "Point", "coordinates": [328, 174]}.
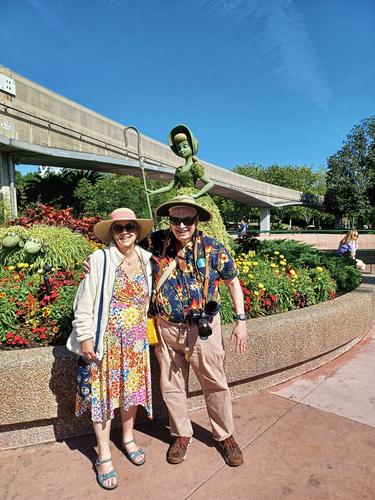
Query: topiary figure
{"type": "Point", "coordinates": [39, 245]}
{"type": "Point", "coordinates": [183, 143]}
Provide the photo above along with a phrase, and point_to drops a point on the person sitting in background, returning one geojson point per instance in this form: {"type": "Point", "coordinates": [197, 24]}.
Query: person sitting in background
{"type": "Point", "coordinates": [349, 243]}
{"type": "Point", "coordinates": [242, 228]}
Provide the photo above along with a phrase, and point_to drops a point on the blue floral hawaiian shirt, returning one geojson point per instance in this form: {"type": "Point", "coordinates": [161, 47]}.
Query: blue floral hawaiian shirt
{"type": "Point", "coordinates": [183, 290]}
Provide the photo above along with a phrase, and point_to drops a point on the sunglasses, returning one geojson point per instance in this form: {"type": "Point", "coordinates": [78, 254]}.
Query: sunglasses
{"type": "Point", "coordinates": [186, 221]}
{"type": "Point", "coordinates": [130, 227]}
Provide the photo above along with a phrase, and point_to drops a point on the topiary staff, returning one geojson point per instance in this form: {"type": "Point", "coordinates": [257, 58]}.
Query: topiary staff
{"type": "Point", "coordinates": [140, 158]}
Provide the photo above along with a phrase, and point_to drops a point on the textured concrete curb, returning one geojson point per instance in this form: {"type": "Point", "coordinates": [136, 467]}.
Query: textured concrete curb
{"type": "Point", "coordinates": [37, 385]}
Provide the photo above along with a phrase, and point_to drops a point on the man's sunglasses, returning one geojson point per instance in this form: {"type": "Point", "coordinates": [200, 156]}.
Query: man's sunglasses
{"type": "Point", "coordinates": [130, 227]}
{"type": "Point", "coordinates": [186, 221]}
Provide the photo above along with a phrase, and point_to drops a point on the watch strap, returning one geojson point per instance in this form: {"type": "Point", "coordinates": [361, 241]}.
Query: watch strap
{"type": "Point", "coordinates": [241, 317]}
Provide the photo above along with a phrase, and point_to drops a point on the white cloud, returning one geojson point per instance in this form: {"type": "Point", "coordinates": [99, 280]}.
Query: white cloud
{"type": "Point", "coordinates": [283, 37]}
{"type": "Point", "coordinates": [50, 12]}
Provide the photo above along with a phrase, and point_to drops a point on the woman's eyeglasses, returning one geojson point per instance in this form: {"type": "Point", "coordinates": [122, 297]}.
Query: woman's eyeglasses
{"type": "Point", "coordinates": [186, 221]}
{"type": "Point", "coordinates": [130, 227]}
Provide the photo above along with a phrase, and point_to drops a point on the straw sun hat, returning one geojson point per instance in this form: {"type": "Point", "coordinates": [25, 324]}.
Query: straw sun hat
{"type": "Point", "coordinates": [103, 229]}
{"type": "Point", "coordinates": [183, 201]}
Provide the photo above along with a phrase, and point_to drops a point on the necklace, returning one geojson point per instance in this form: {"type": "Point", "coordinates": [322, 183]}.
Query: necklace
{"type": "Point", "coordinates": [130, 260]}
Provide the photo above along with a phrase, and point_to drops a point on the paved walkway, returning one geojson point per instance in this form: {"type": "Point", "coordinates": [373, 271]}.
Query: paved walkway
{"type": "Point", "coordinates": [310, 438]}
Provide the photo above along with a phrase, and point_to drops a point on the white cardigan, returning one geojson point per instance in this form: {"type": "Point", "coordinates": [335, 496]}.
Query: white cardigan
{"type": "Point", "coordinates": [86, 302]}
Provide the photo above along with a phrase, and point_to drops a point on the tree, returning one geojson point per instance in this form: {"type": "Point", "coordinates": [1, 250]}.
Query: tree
{"type": "Point", "coordinates": [114, 191]}
{"type": "Point", "coordinates": [21, 185]}
{"type": "Point", "coordinates": [351, 176]}
{"type": "Point", "coordinates": [301, 178]}
{"type": "Point", "coordinates": [57, 189]}
{"type": "Point", "coordinates": [233, 211]}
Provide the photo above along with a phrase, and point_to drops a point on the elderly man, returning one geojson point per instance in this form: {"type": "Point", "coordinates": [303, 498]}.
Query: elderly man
{"type": "Point", "coordinates": [190, 266]}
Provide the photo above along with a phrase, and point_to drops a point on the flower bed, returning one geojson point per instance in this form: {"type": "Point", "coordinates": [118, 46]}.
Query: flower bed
{"type": "Point", "coordinates": [279, 276]}
{"type": "Point", "coordinates": [31, 317]}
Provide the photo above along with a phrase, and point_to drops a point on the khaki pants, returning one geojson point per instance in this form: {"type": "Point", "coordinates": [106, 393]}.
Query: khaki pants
{"type": "Point", "coordinates": [206, 358]}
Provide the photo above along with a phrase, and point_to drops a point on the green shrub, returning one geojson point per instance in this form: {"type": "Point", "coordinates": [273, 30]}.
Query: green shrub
{"type": "Point", "coordinates": [58, 247]}
{"type": "Point", "coordinates": [341, 269]}
{"type": "Point", "coordinates": [226, 305]}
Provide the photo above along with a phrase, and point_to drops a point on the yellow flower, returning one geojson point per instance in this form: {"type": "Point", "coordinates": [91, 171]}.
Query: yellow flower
{"type": "Point", "coordinates": [260, 285]}
{"type": "Point", "coordinates": [319, 269]}
{"type": "Point", "coordinates": [2, 295]}
{"type": "Point", "coordinates": [292, 272]}
{"type": "Point", "coordinates": [254, 263]}
{"type": "Point", "coordinates": [276, 252]}
{"type": "Point", "coordinates": [55, 329]}
{"type": "Point", "coordinates": [283, 262]}
{"type": "Point", "coordinates": [282, 257]}
{"type": "Point", "coordinates": [273, 264]}
{"type": "Point", "coordinates": [256, 293]}
{"type": "Point", "coordinates": [10, 268]}
{"type": "Point", "coordinates": [46, 312]}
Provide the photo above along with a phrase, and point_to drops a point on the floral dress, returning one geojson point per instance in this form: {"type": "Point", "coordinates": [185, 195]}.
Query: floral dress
{"type": "Point", "coordinates": [122, 378]}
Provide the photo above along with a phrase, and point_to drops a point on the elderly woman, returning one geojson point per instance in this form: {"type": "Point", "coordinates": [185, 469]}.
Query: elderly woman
{"type": "Point", "coordinates": [120, 366]}
{"type": "Point", "coordinates": [349, 243]}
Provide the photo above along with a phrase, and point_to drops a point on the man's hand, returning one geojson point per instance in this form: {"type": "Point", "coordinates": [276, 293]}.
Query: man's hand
{"type": "Point", "coordinates": [86, 266]}
{"type": "Point", "coordinates": [239, 337]}
{"type": "Point", "coordinates": [87, 348]}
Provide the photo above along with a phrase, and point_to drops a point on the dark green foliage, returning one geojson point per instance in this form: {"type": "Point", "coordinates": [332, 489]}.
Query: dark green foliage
{"type": "Point", "coordinates": [226, 305]}
{"type": "Point", "coordinates": [342, 269]}
{"type": "Point", "coordinates": [301, 178]}
{"type": "Point", "coordinates": [54, 189]}
{"type": "Point", "coordinates": [114, 191]}
{"type": "Point", "coordinates": [351, 176]}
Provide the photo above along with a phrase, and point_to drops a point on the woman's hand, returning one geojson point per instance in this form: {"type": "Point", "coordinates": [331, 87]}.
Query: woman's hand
{"type": "Point", "coordinates": [87, 349]}
{"type": "Point", "coordinates": [86, 266]}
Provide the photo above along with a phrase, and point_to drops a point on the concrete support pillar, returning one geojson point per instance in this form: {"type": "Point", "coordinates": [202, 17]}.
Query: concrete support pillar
{"type": "Point", "coordinates": [265, 219]}
{"type": "Point", "coordinates": [8, 198]}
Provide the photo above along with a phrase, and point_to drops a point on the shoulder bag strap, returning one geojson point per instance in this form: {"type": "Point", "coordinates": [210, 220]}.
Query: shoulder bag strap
{"type": "Point", "coordinates": [100, 310]}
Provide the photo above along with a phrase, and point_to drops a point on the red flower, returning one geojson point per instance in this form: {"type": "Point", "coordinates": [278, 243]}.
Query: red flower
{"type": "Point", "coordinates": [20, 312]}
{"type": "Point", "coordinates": [9, 335]}
{"type": "Point", "coordinates": [42, 336]}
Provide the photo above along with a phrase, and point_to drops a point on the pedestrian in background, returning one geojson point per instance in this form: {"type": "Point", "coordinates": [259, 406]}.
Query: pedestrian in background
{"type": "Point", "coordinates": [349, 243]}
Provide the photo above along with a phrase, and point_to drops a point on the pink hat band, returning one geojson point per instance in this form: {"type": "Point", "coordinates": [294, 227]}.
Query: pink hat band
{"type": "Point", "coordinates": [103, 229]}
{"type": "Point", "coordinates": [122, 214]}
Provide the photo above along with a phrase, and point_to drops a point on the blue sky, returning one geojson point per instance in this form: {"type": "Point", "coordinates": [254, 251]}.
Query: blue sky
{"type": "Point", "coordinates": [258, 81]}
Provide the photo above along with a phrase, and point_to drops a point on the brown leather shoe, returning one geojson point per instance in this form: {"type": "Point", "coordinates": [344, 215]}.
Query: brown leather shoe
{"type": "Point", "coordinates": [177, 451]}
{"type": "Point", "coordinates": [231, 452]}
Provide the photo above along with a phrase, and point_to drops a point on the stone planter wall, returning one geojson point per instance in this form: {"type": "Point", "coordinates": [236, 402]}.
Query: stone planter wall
{"type": "Point", "coordinates": [37, 385]}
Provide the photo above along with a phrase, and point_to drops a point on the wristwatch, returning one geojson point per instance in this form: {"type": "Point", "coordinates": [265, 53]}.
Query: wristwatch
{"type": "Point", "coordinates": [241, 317]}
